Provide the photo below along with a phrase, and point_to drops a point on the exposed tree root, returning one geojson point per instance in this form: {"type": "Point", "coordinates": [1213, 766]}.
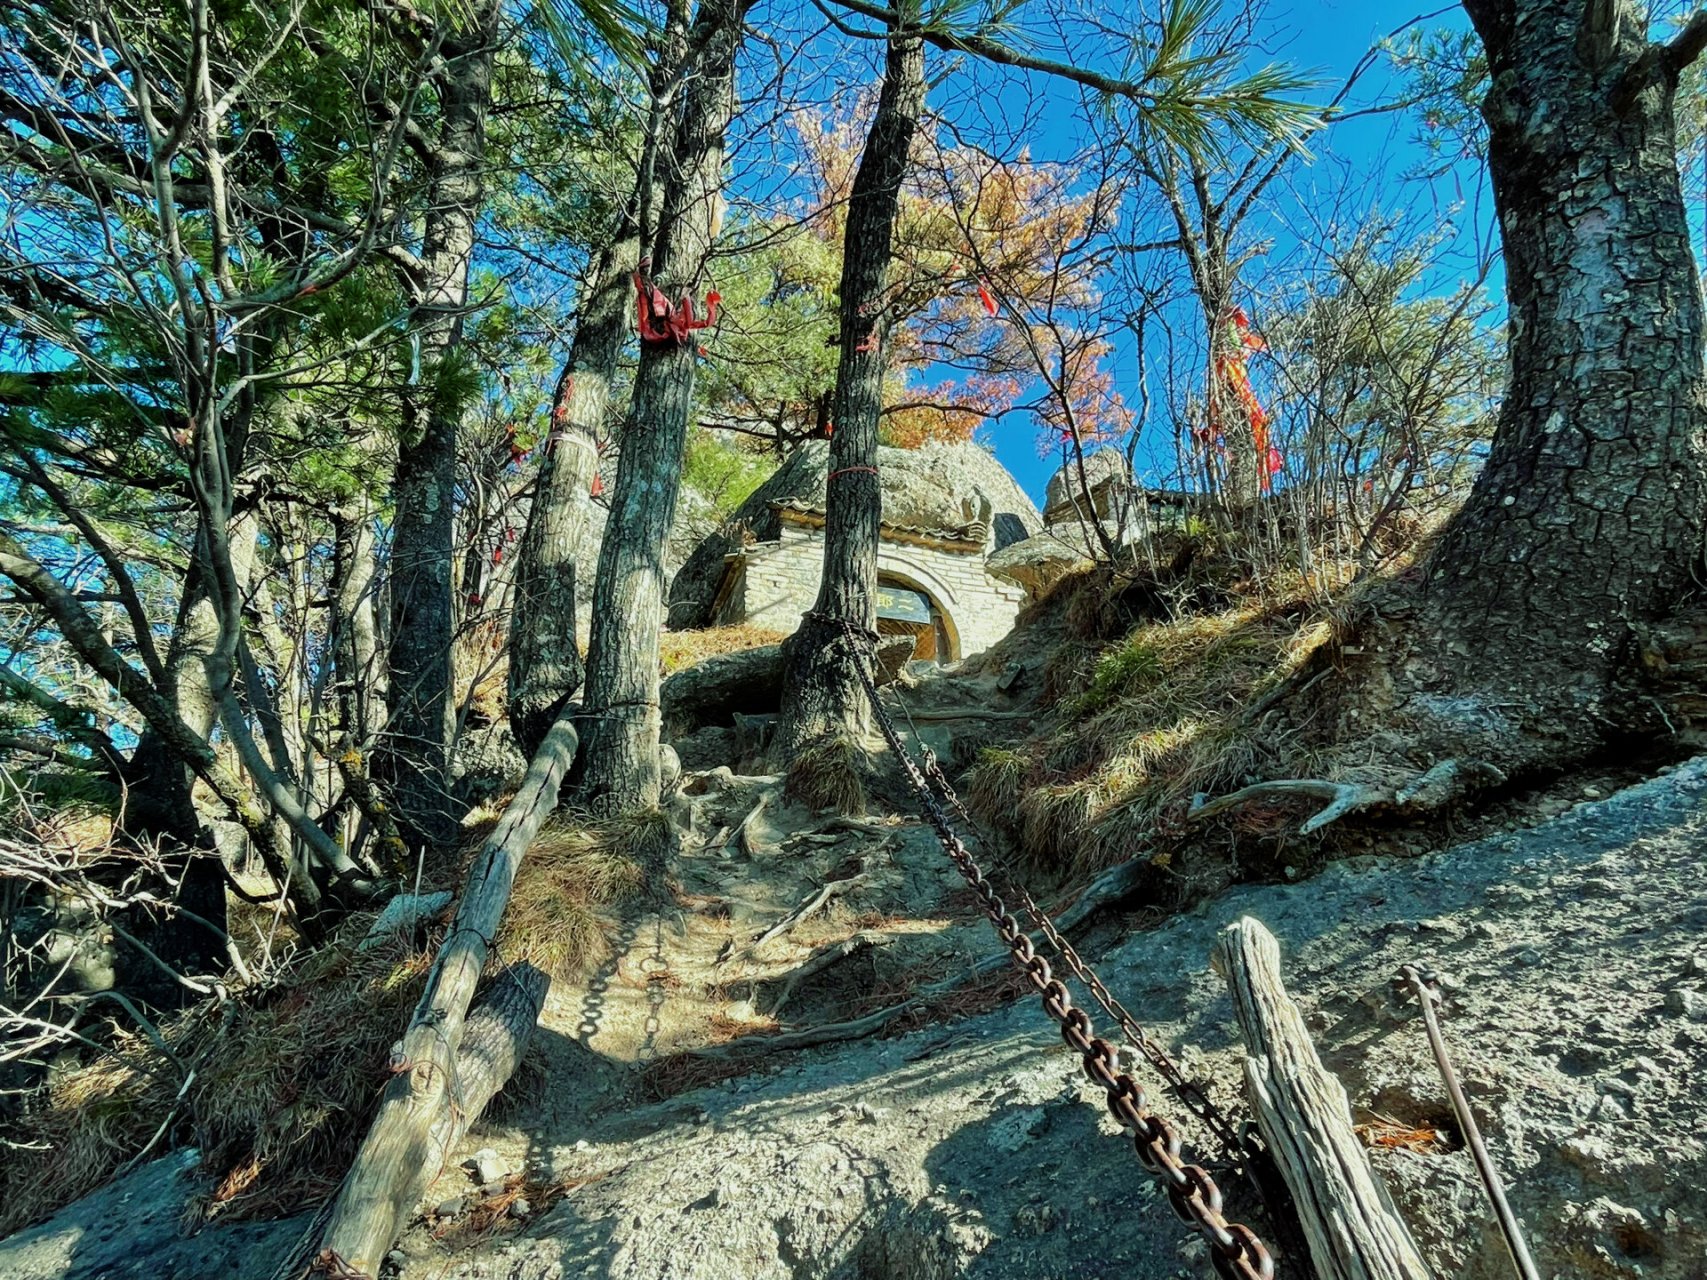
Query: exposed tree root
{"type": "Point", "coordinates": [968, 713]}
{"type": "Point", "coordinates": [821, 960]}
{"type": "Point", "coordinates": [1444, 784]}
{"type": "Point", "coordinates": [1343, 798]}
{"type": "Point", "coordinates": [830, 889]}
{"type": "Point", "coordinates": [1106, 890]}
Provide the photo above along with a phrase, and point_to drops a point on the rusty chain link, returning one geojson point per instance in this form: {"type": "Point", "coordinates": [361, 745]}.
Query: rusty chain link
{"type": "Point", "coordinates": [1198, 1102]}
{"type": "Point", "coordinates": [1236, 1251]}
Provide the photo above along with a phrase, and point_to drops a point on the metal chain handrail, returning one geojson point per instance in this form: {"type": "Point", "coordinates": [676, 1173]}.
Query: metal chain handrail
{"type": "Point", "coordinates": [1235, 1250]}
{"type": "Point", "coordinates": [1195, 1100]}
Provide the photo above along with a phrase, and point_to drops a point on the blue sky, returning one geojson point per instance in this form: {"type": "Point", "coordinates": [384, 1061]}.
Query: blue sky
{"type": "Point", "coordinates": [1325, 39]}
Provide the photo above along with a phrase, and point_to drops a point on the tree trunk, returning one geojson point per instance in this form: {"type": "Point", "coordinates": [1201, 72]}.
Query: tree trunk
{"type": "Point", "coordinates": [622, 726]}
{"type": "Point", "coordinates": [415, 761]}
{"type": "Point", "coordinates": [1586, 523]}
{"type": "Point", "coordinates": [354, 626]}
{"type": "Point", "coordinates": [545, 664]}
{"type": "Point", "coordinates": [822, 696]}
{"type": "Point", "coordinates": [159, 801]}
{"type": "Point", "coordinates": [494, 1039]}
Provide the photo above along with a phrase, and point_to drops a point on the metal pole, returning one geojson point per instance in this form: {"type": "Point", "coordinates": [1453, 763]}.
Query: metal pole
{"type": "Point", "coordinates": [1428, 997]}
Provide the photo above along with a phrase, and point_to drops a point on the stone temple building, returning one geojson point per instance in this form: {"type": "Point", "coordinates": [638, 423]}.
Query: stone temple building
{"type": "Point", "coordinates": [947, 509]}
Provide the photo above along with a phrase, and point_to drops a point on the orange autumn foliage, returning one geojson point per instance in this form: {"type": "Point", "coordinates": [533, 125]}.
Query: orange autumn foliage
{"type": "Point", "coordinates": [980, 248]}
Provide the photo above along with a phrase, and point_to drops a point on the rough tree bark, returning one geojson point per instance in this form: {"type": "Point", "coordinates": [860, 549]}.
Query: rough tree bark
{"type": "Point", "coordinates": [821, 695]}
{"type": "Point", "coordinates": [355, 625]}
{"type": "Point", "coordinates": [1587, 521]}
{"type": "Point", "coordinates": [545, 664]}
{"type": "Point", "coordinates": [621, 696]}
{"type": "Point", "coordinates": [159, 783]}
{"type": "Point", "coordinates": [414, 760]}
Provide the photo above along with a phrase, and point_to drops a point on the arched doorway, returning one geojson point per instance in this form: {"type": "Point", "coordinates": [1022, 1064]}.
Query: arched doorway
{"type": "Point", "coordinates": [906, 609]}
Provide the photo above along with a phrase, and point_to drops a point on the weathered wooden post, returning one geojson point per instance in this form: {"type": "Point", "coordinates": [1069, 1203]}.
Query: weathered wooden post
{"type": "Point", "coordinates": [1353, 1230]}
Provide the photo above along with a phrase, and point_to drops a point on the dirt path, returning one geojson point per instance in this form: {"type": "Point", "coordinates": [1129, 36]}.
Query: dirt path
{"type": "Point", "coordinates": [1573, 953]}
{"type": "Point", "coordinates": [774, 918]}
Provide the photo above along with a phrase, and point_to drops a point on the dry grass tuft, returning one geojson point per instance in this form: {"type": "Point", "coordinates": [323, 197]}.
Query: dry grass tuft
{"type": "Point", "coordinates": [1155, 717]}
{"type": "Point", "coordinates": [680, 1073]}
{"type": "Point", "coordinates": [572, 869]}
{"type": "Point", "coordinates": [287, 1075]}
{"type": "Point", "coordinates": [995, 785]}
{"type": "Point", "coordinates": [830, 775]}
{"type": "Point", "coordinates": [285, 1080]}
{"type": "Point", "coordinates": [678, 649]}
{"type": "Point", "coordinates": [480, 667]}
{"type": "Point", "coordinates": [721, 1028]}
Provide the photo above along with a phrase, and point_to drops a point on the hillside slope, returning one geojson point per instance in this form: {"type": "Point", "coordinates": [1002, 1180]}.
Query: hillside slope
{"type": "Point", "coordinates": [1577, 973]}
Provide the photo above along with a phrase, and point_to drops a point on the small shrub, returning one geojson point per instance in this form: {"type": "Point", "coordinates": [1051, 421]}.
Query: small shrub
{"type": "Point", "coordinates": [1132, 665]}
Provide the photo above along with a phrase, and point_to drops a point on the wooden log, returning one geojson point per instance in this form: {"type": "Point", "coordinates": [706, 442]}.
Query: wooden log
{"type": "Point", "coordinates": [406, 1144]}
{"type": "Point", "coordinates": [1353, 1230]}
{"type": "Point", "coordinates": [499, 1027]}
{"type": "Point", "coordinates": [496, 1035]}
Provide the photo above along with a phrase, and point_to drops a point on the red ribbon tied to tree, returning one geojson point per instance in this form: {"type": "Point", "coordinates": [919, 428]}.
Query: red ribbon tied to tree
{"type": "Point", "coordinates": [1233, 351]}
{"type": "Point", "coordinates": [660, 322]}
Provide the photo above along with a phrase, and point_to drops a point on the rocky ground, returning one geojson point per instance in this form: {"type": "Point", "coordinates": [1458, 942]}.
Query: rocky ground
{"type": "Point", "coordinates": [1574, 953]}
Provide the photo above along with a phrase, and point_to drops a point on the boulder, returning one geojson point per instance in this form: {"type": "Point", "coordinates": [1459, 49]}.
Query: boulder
{"type": "Point", "coordinates": [132, 1229]}
{"type": "Point", "coordinates": [713, 689]}
{"type": "Point", "coordinates": [938, 486]}
{"type": "Point", "coordinates": [1040, 561]}
{"type": "Point", "coordinates": [748, 681]}
{"type": "Point", "coordinates": [485, 762]}
{"type": "Point", "coordinates": [1106, 473]}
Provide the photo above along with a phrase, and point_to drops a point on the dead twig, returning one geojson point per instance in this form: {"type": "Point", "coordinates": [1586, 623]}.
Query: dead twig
{"type": "Point", "coordinates": [744, 833]}
{"type": "Point", "coordinates": [822, 959]}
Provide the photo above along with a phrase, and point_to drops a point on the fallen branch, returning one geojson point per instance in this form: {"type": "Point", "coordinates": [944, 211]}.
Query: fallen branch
{"type": "Point", "coordinates": [493, 1041]}
{"type": "Point", "coordinates": [1108, 888]}
{"type": "Point", "coordinates": [970, 713]}
{"type": "Point", "coordinates": [821, 960]}
{"type": "Point", "coordinates": [404, 1149]}
{"type": "Point", "coordinates": [859, 826]}
{"type": "Point", "coordinates": [743, 833]}
{"type": "Point", "coordinates": [1343, 798]}
{"type": "Point", "coordinates": [1447, 781]}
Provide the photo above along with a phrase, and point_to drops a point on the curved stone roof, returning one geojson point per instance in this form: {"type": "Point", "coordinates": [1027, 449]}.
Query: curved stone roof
{"type": "Point", "coordinates": [939, 488]}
